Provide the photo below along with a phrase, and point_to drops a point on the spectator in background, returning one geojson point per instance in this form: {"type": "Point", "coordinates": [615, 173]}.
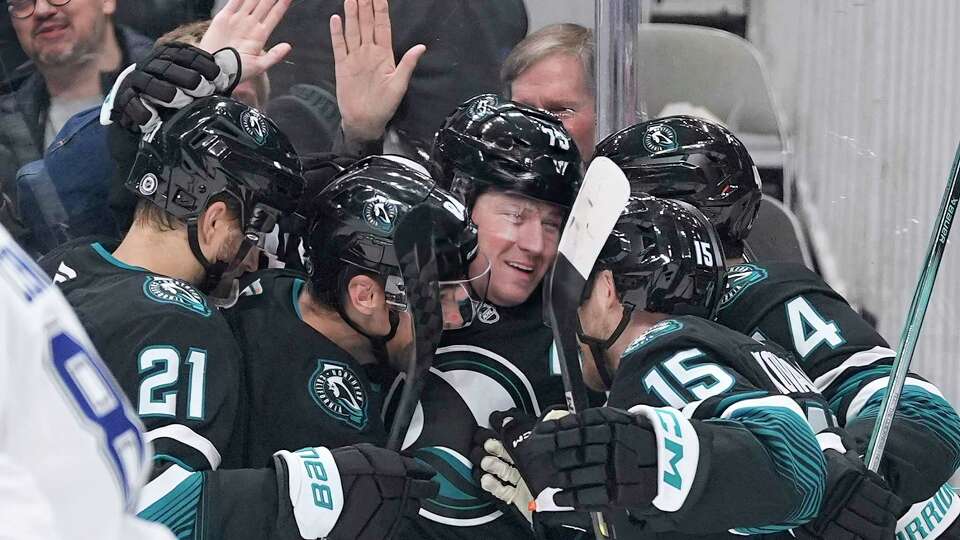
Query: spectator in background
{"type": "Point", "coordinates": [553, 69]}
{"type": "Point", "coordinates": [76, 53]}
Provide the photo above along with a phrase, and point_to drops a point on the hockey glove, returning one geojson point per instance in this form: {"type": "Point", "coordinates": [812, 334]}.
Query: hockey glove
{"type": "Point", "coordinates": [171, 77]}
{"type": "Point", "coordinates": [499, 474]}
{"type": "Point", "coordinates": [606, 457]}
{"type": "Point", "coordinates": [354, 492]}
{"type": "Point", "coordinates": [857, 502]}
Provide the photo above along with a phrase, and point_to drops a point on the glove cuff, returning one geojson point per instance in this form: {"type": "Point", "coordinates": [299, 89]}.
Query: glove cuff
{"type": "Point", "coordinates": [230, 70]}
{"type": "Point", "coordinates": [313, 484]}
{"type": "Point", "coordinates": [678, 454]}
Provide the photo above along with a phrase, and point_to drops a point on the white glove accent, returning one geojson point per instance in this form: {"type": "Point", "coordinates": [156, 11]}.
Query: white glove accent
{"type": "Point", "coordinates": [503, 480]}
{"type": "Point", "coordinates": [229, 61]}
{"type": "Point", "coordinates": [315, 490]}
{"type": "Point", "coordinates": [678, 454]}
{"type": "Point", "coordinates": [112, 95]}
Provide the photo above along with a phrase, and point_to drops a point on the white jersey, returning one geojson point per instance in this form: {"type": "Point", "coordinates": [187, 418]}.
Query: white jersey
{"type": "Point", "coordinates": [72, 453]}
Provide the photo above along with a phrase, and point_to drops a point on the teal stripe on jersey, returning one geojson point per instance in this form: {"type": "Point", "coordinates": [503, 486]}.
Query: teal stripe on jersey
{"type": "Point", "coordinates": [852, 386]}
{"type": "Point", "coordinates": [177, 510]}
{"type": "Point", "coordinates": [796, 455]}
{"type": "Point", "coordinates": [920, 406]}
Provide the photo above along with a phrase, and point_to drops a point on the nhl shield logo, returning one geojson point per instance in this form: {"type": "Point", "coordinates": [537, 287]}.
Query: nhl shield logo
{"type": "Point", "coordinates": [255, 125]}
{"type": "Point", "coordinates": [337, 391]}
{"type": "Point", "coordinates": [660, 138]}
{"type": "Point", "coordinates": [381, 214]}
{"type": "Point", "coordinates": [167, 290]}
{"type": "Point", "coordinates": [488, 314]}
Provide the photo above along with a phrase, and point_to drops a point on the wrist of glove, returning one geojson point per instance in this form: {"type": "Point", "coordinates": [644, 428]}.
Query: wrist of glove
{"type": "Point", "coordinates": [171, 77]}
{"type": "Point", "coordinates": [356, 492]}
{"type": "Point", "coordinates": [857, 503]}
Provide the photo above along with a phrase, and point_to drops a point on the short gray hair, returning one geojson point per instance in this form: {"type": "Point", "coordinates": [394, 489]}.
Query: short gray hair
{"type": "Point", "coordinates": [564, 38]}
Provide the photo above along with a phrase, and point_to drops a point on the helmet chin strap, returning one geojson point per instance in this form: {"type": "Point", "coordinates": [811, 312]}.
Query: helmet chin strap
{"type": "Point", "coordinates": [599, 347]}
{"type": "Point", "coordinates": [378, 343]}
{"type": "Point", "coordinates": [214, 270]}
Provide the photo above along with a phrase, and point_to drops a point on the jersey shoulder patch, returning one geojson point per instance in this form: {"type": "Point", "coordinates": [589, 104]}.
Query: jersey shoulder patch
{"type": "Point", "coordinates": [740, 278]}
{"type": "Point", "coordinates": [167, 290]}
{"type": "Point", "coordinates": [338, 391]}
{"type": "Point", "coordinates": [660, 329]}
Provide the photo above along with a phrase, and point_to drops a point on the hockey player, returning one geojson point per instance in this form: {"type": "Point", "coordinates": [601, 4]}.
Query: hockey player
{"type": "Point", "coordinates": [741, 455]}
{"type": "Point", "coordinates": [517, 171]}
{"type": "Point", "coordinates": [213, 179]}
{"type": "Point", "coordinates": [72, 453]}
{"type": "Point", "coordinates": [337, 331]}
{"type": "Point", "coordinates": [703, 163]}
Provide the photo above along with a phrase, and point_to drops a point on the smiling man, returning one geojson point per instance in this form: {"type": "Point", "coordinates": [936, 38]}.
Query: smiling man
{"type": "Point", "coordinates": [517, 171]}
{"type": "Point", "coordinates": [76, 52]}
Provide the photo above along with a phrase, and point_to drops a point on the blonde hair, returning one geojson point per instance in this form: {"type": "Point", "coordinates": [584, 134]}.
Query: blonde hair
{"type": "Point", "coordinates": [564, 38]}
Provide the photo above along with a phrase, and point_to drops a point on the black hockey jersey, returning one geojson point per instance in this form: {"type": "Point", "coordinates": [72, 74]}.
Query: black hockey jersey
{"type": "Point", "coordinates": [503, 360]}
{"type": "Point", "coordinates": [849, 363]}
{"type": "Point", "coordinates": [760, 467]}
{"type": "Point", "coordinates": [303, 389]}
{"type": "Point", "coordinates": [177, 361]}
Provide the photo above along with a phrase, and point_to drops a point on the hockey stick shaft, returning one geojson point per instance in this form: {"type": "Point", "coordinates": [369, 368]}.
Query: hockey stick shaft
{"type": "Point", "coordinates": [914, 322]}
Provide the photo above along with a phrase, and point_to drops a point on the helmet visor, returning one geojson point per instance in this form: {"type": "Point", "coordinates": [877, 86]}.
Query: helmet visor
{"type": "Point", "coordinates": [459, 299]}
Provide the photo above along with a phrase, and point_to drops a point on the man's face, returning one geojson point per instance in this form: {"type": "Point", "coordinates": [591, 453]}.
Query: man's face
{"type": "Point", "coordinates": [519, 237]}
{"type": "Point", "coordinates": [596, 316]}
{"type": "Point", "coordinates": [57, 36]}
{"type": "Point", "coordinates": [557, 84]}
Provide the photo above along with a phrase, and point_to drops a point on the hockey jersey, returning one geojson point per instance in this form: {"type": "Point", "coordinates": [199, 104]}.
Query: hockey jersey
{"type": "Point", "coordinates": [303, 389]}
{"type": "Point", "coordinates": [760, 467]}
{"type": "Point", "coordinates": [73, 458]}
{"type": "Point", "coordinates": [177, 361]}
{"type": "Point", "coordinates": [503, 360]}
{"type": "Point", "coordinates": [850, 364]}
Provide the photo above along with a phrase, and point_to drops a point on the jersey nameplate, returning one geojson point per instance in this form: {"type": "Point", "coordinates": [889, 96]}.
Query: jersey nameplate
{"type": "Point", "coordinates": [167, 290]}
{"type": "Point", "coordinates": [662, 328]}
{"type": "Point", "coordinates": [337, 390]}
{"type": "Point", "coordinates": [738, 279]}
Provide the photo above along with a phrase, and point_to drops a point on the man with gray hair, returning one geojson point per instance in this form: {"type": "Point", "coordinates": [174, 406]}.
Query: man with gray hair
{"type": "Point", "coordinates": [552, 69]}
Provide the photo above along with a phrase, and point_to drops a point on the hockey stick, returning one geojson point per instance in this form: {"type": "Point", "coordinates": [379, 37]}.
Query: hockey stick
{"type": "Point", "coordinates": [413, 242]}
{"type": "Point", "coordinates": [599, 203]}
{"type": "Point", "coordinates": [918, 309]}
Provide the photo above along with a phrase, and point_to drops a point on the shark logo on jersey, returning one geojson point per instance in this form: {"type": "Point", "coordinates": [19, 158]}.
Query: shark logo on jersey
{"type": "Point", "coordinates": [660, 329]}
{"type": "Point", "coordinates": [738, 279]}
{"type": "Point", "coordinates": [254, 123]}
{"type": "Point", "coordinates": [337, 390]}
{"type": "Point", "coordinates": [470, 382]}
{"type": "Point", "coordinates": [660, 138]}
{"type": "Point", "coordinates": [381, 214]}
{"type": "Point", "coordinates": [174, 291]}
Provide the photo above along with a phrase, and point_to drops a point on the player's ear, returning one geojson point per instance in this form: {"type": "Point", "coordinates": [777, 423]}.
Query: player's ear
{"type": "Point", "coordinates": [214, 224]}
{"type": "Point", "coordinates": [364, 294]}
{"type": "Point", "coordinates": [607, 288]}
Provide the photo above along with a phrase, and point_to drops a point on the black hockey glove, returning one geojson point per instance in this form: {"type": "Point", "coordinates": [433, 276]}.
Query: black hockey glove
{"type": "Point", "coordinates": [171, 77]}
{"type": "Point", "coordinates": [607, 458]}
{"type": "Point", "coordinates": [857, 503]}
{"type": "Point", "coordinates": [355, 492]}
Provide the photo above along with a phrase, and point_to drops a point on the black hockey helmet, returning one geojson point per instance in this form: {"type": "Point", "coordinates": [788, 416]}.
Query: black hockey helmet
{"type": "Point", "coordinates": [218, 146]}
{"type": "Point", "coordinates": [665, 257]}
{"type": "Point", "coordinates": [693, 160]}
{"type": "Point", "coordinates": [489, 141]}
{"type": "Point", "coordinates": [354, 220]}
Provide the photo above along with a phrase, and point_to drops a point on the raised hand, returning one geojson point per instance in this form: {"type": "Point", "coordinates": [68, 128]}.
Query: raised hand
{"type": "Point", "coordinates": [246, 25]}
{"type": "Point", "coordinates": [370, 84]}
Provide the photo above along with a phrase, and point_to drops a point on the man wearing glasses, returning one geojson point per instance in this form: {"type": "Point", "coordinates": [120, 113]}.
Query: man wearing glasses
{"type": "Point", "coordinates": [75, 53]}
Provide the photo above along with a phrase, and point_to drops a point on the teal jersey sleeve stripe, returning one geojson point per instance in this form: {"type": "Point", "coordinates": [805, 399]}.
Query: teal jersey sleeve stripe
{"type": "Point", "coordinates": [796, 455]}
{"type": "Point", "coordinates": [852, 386]}
{"type": "Point", "coordinates": [178, 509]}
{"type": "Point", "coordinates": [922, 407]}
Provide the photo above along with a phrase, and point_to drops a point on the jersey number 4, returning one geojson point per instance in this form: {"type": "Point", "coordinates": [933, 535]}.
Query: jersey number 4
{"type": "Point", "coordinates": [809, 329]}
{"type": "Point", "coordinates": [159, 389]}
